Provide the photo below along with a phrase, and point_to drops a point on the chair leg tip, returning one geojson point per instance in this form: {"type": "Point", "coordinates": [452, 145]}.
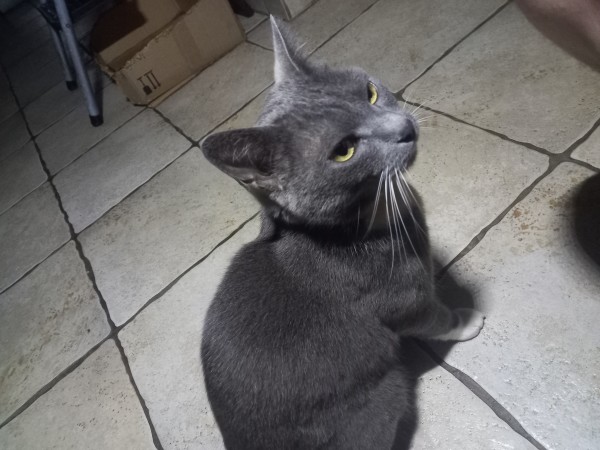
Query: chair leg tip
{"type": "Point", "coordinates": [96, 121]}
{"type": "Point", "coordinates": [72, 85]}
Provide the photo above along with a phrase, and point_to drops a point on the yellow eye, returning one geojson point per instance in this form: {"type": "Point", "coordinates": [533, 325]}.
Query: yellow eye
{"type": "Point", "coordinates": [372, 93]}
{"type": "Point", "coordinates": [343, 154]}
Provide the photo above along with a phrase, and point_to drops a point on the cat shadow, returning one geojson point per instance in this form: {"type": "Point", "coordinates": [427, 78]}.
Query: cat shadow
{"type": "Point", "coordinates": [415, 355]}
{"type": "Point", "coordinates": [586, 219]}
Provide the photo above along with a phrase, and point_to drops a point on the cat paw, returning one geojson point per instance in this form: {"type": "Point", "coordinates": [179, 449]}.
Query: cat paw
{"type": "Point", "coordinates": [470, 323]}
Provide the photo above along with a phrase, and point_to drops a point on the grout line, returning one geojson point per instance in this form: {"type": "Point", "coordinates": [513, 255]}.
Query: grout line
{"type": "Point", "coordinates": [341, 29]}
{"type": "Point", "coordinates": [41, 42]}
{"type": "Point", "coordinates": [584, 164]}
{"type": "Point", "coordinates": [145, 409]}
{"type": "Point", "coordinates": [103, 304]}
{"type": "Point", "coordinates": [177, 128]}
{"type": "Point", "coordinates": [113, 334]}
{"type": "Point", "coordinates": [52, 176]}
{"type": "Point", "coordinates": [92, 279]}
{"type": "Point", "coordinates": [18, 200]}
{"type": "Point", "coordinates": [571, 148]}
{"type": "Point", "coordinates": [62, 83]}
{"type": "Point", "coordinates": [504, 137]}
{"type": "Point", "coordinates": [254, 27]}
{"type": "Point", "coordinates": [259, 46]}
{"type": "Point", "coordinates": [130, 194]}
{"type": "Point", "coordinates": [460, 41]}
{"type": "Point", "coordinates": [554, 159]}
{"type": "Point", "coordinates": [195, 145]}
{"type": "Point", "coordinates": [70, 368]}
{"type": "Point", "coordinates": [471, 245]}
{"type": "Point", "coordinates": [168, 287]}
{"type": "Point", "coordinates": [483, 395]}
{"type": "Point", "coordinates": [22, 277]}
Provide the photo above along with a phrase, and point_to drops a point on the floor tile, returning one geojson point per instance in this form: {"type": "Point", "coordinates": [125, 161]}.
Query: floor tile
{"type": "Point", "coordinates": [73, 135]}
{"type": "Point", "coordinates": [220, 90]}
{"type": "Point", "coordinates": [20, 174]}
{"type": "Point", "coordinates": [467, 177]}
{"type": "Point", "coordinates": [247, 116]}
{"type": "Point", "coordinates": [250, 23]}
{"type": "Point", "coordinates": [21, 15]}
{"type": "Point", "coordinates": [30, 85]}
{"type": "Point", "coordinates": [33, 63]}
{"type": "Point", "coordinates": [316, 25]}
{"type": "Point", "coordinates": [537, 354]}
{"type": "Point", "coordinates": [507, 77]}
{"type": "Point", "coordinates": [162, 345]}
{"type": "Point", "coordinates": [589, 150]}
{"type": "Point", "coordinates": [151, 237]}
{"type": "Point", "coordinates": [13, 135]}
{"type": "Point", "coordinates": [295, 7]}
{"type": "Point", "coordinates": [8, 104]}
{"type": "Point", "coordinates": [396, 40]}
{"type": "Point", "coordinates": [93, 407]}
{"type": "Point", "coordinates": [47, 321]}
{"type": "Point", "coordinates": [58, 101]}
{"type": "Point", "coordinates": [23, 44]}
{"type": "Point", "coordinates": [451, 417]}
{"type": "Point", "coordinates": [127, 158]}
{"type": "Point", "coordinates": [29, 232]}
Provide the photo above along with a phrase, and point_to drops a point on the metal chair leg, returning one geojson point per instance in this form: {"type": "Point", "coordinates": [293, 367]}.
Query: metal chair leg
{"type": "Point", "coordinates": [67, 68]}
{"type": "Point", "coordinates": [73, 47]}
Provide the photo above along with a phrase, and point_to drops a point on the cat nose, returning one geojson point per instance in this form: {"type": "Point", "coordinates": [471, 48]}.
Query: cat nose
{"type": "Point", "coordinates": [407, 133]}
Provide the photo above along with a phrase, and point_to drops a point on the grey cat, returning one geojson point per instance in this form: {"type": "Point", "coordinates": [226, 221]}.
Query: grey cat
{"type": "Point", "coordinates": [300, 348]}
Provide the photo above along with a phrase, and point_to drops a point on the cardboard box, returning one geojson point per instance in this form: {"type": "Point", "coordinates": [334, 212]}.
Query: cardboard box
{"type": "Point", "coordinates": [132, 23]}
{"type": "Point", "coordinates": [195, 39]}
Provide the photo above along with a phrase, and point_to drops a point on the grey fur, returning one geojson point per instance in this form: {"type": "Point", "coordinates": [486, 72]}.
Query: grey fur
{"type": "Point", "coordinates": [300, 345]}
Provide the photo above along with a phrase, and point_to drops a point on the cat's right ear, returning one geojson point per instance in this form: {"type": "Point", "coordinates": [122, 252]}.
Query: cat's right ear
{"type": "Point", "coordinates": [246, 155]}
{"type": "Point", "coordinates": [288, 59]}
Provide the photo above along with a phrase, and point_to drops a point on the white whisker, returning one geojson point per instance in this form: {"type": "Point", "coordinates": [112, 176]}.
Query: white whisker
{"type": "Point", "coordinates": [399, 181]}
{"type": "Point", "coordinates": [408, 234]}
{"type": "Point", "coordinates": [406, 176]}
{"type": "Point", "coordinates": [387, 213]}
{"type": "Point", "coordinates": [418, 107]}
{"type": "Point", "coordinates": [375, 205]}
{"type": "Point", "coordinates": [396, 215]}
{"type": "Point", "coordinates": [408, 188]}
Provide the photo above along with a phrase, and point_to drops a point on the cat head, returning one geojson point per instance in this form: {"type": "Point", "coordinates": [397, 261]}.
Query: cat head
{"type": "Point", "coordinates": [325, 137]}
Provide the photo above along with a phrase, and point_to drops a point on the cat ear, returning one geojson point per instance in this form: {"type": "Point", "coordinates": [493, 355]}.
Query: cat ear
{"type": "Point", "coordinates": [288, 60]}
{"type": "Point", "coordinates": [246, 155]}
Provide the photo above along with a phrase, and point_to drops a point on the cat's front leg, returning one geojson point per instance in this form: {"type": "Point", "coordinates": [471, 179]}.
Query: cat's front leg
{"type": "Point", "coordinates": [469, 323]}
{"type": "Point", "coordinates": [436, 321]}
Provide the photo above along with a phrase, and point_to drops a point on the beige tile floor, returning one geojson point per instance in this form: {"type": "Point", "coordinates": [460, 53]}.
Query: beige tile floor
{"type": "Point", "coordinates": [113, 239]}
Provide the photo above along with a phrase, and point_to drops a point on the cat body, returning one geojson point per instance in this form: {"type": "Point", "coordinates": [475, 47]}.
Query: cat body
{"type": "Point", "coordinates": [312, 359]}
{"type": "Point", "coordinates": [301, 344]}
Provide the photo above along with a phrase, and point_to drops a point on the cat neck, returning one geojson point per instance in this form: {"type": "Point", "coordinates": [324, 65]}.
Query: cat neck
{"type": "Point", "coordinates": [365, 234]}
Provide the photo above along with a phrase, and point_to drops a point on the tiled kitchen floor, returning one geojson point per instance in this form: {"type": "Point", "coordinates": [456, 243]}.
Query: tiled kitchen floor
{"type": "Point", "coordinates": [113, 239]}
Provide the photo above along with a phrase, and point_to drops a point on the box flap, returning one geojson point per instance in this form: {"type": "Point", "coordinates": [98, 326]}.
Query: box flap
{"type": "Point", "coordinates": [122, 30]}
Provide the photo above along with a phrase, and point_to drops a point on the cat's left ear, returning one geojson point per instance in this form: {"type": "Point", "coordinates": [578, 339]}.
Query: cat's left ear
{"type": "Point", "coordinates": [246, 155]}
{"type": "Point", "coordinates": [289, 61]}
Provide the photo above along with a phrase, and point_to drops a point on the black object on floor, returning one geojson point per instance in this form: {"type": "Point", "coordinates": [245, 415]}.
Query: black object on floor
{"type": "Point", "coordinates": [241, 7]}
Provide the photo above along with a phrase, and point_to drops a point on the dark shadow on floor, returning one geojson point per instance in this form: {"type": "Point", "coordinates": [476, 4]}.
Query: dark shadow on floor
{"type": "Point", "coordinates": [586, 219]}
{"type": "Point", "coordinates": [417, 363]}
